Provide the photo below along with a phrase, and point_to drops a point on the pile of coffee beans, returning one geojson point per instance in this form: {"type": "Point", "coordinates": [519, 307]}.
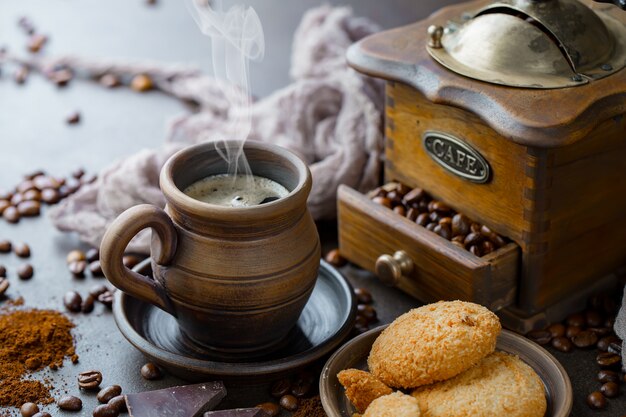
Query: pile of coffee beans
{"type": "Point", "coordinates": [591, 329]}
{"type": "Point", "coordinates": [419, 207]}
{"type": "Point", "coordinates": [75, 303]}
{"type": "Point", "coordinates": [36, 189]}
{"type": "Point", "coordinates": [24, 271]}
{"type": "Point", "coordinates": [289, 392]}
{"type": "Point", "coordinates": [366, 314]}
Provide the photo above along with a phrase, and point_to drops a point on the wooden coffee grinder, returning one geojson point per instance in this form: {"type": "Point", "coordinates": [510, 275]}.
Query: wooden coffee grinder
{"type": "Point", "coordinates": [512, 113]}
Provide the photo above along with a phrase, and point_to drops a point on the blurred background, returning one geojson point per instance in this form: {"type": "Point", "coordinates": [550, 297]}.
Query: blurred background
{"type": "Point", "coordinates": [115, 123]}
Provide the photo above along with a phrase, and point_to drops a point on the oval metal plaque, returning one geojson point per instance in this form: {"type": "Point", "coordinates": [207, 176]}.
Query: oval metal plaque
{"type": "Point", "coordinates": [457, 156]}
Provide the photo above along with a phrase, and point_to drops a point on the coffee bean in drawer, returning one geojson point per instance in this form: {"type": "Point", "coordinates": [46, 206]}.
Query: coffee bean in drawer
{"type": "Point", "coordinates": [437, 217]}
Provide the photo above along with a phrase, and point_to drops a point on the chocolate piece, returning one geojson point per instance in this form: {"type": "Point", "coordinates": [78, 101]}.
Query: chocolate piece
{"type": "Point", "coordinates": [183, 401]}
{"type": "Point", "coordinates": [239, 412]}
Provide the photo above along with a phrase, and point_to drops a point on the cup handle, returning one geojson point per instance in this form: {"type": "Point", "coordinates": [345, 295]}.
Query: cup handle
{"type": "Point", "coordinates": [117, 237]}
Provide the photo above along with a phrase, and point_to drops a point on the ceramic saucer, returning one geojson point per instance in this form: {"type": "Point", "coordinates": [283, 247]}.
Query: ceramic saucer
{"type": "Point", "coordinates": [354, 355]}
{"type": "Point", "coordinates": [325, 322]}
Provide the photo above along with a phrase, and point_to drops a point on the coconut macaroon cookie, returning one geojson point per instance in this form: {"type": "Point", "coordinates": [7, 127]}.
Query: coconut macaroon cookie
{"type": "Point", "coordinates": [394, 405]}
{"type": "Point", "coordinates": [433, 343]}
{"type": "Point", "coordinates": [362, 387]}
{"type": "Point", "coordinates": [499, 385]}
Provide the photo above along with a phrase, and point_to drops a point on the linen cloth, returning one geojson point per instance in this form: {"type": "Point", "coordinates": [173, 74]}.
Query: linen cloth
{"type": "Point", "coordinates": [330, 116]}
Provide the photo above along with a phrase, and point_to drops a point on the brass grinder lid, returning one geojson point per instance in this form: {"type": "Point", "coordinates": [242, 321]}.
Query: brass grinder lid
{"type": "Point", "coordinates": [532, 43]}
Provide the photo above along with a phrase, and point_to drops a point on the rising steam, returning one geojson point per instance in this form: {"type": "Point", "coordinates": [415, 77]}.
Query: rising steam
{"type": "Point", "coordinates": [236, 39]}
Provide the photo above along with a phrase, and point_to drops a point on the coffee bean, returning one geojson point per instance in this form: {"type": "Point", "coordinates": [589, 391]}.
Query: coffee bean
{"type": "Point", "coordinates": [596, 400]}
{"type": "Point", "coordinates": [593, 318]}
{"type": "Point", "coordinates": [383, 201]}
{"type": "Point", "coordinates": [106, 298]}
{"type": "Point", "coordinates": [414, 196]}
{"type": "Point", "coordinates": [443, 231]}
{"type": "Point", "coordinates": [302, 386]}
{"type": "Point", "coordinates": [487, 247]}
{"type": "Point", "coordinates": [105, 410]}
{"type": "Point", "coordinates": [106, 394]}
{"type": "Point", "coordinates": [17, 199]}
{"type": "Point", "coordinates": [110, 81]}
{"type": "Point", "coordinates": [3, 271]}
{"type": "Point", "coordinates": [119, 403]}
{"type": "Point", "coordinates": [96, 269]}
{"type": "Point", "coordinates": [70, 403]}
{"type": "Point", "coordinates": [363, 296]}
{"type": "Point", "coordinates": [556, 330]}
{"type": "Point", "coordinates": [585, 339]}
{"type": "Point", "coordinates": [359, 329]}
{"type": "Point", "coordinates": [412, 214]}
{"type": "Point", "coordinates": [77, 268]}
{"type": "Point", "coordinates": [475, 228]}
{"type": "Point", "coordinates": [11, 214]}
{"type": "Point", "coordinates": [72, 118]}
{"type": "Point", "coordinates": [368, 312]}
{"type": "Point", "coordinates": [435, 217]}
{"type": "Point", "coordinates": [475, 250]}
{"type": "Point", "coordinates": [422, 219]}
{"type": "Point", "coordinates": [271, 409]}
{"type": "Point", "coordinates": [50, 196]}
{"type": "Point", "coordinates": [571, 331]}
{"type": "Point", "coordinates": [92, 255]}
{"type": "Point", "coordinates": [141, 83]}
{"type": "Point", "coordinates": [288, 402]}
{"type": "Point", "coordinates": [61, 77]}
{"type": "Point", "coordinates": [473, 239]}
{"type": "Point", "coordinates": [603, 344]}
{"type": "Point", "coordinates": [98, 289]}
{"type": "Point", "coordinates": [422, 206]}
{"type": "Point", "coordinates": [87, 305]}
{"type": "Point", "coordinates": [22, 250]}
{"type": "Point", "coordinates": [21, 74]}
{"type": "Point", "coordinates": [577, 319]}
{"type": "Point", "coordinates": [497, 240]}
{"type": "Point", "coordinates": [72, 301]}
{"type": "Point", "coordinates": [446, 221]}
{"type": "Point", "coordinates": [130, 261]}
{"type": "Point", "coordinates": [399, 210]}
{"type": "Point", "coordinates": [280, 388]}
{"type": "Point", "coordinates": [610, 389]}
{"type": "Point", "coordinates": [606, 375]}
{"type": "Point", "coordinates": [601, 331]}
{"type": "Point", "coordinates": [5, 195]}
{"type": "Point", "coordinates": [151, 372]}
{"type": "Point", "coordinates": [75, 256]}
{"type": "Point", "coordinates": [608, 360]}
{"type": "Point", "coordinates": [4, 204]}
{"type": "Point", "coordinates": [36, 42]}
{"type": "Point", "coordinates": [361, 321]}
{"type": "Point", "coordinates": [4, 285]}
{"type": "Point", "coordinates": [5, 246]}
{"type": "Point", "coordinates": [25, 271]}
{"type": "Point", "coordinates": [29, 409]}
{"type": "Point", "coordinates": [395, 197]}
{"type": "Point", "coordinates": [460, 225]}
{"type": "Point", "coordinates": [431, 226]}
{"type": "Point", "coordinates": [29, 208]}
{"type": "Point", "coordinates": [335, 259]}
{"type": "Point", "coordinates": [541, 337]}
{"type": "Point", "coordinates": [441, 207]}
{"type": "Point", "coordinates": [31, 195]}
{"type": "Point", "coordinates": [89, 380]}
{"type": "Point", "coordinates": [562, 344]}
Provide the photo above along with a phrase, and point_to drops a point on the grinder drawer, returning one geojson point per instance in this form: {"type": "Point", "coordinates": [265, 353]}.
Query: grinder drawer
{"type": "Point", "coordinates": [419, 262]}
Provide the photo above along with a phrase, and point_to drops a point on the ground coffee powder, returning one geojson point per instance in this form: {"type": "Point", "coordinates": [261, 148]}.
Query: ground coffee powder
{"type": "Point", "coordinates": [311, 407]}
{"type": "Point", "coordinates": [31, 340]}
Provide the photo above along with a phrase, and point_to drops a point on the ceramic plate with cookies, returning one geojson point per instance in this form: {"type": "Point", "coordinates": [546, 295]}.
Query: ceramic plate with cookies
{"type": "Point", "coordinates": [450, 359]}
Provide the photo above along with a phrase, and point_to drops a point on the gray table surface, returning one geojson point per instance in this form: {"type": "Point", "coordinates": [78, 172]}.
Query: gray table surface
{"type": "Point", "coordinates": [33, 135]}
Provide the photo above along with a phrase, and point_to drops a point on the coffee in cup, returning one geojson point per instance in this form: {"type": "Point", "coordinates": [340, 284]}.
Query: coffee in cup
{"type": "Point", "coordinates": [236, 190]}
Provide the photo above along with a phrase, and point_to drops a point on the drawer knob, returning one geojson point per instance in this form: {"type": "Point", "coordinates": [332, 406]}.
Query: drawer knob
{"type": "Point", "coordinates": [390, 269]}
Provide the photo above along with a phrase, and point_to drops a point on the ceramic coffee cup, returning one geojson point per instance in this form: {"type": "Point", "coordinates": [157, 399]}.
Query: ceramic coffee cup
{"type": "Point", "coordinates": [235, 278]}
